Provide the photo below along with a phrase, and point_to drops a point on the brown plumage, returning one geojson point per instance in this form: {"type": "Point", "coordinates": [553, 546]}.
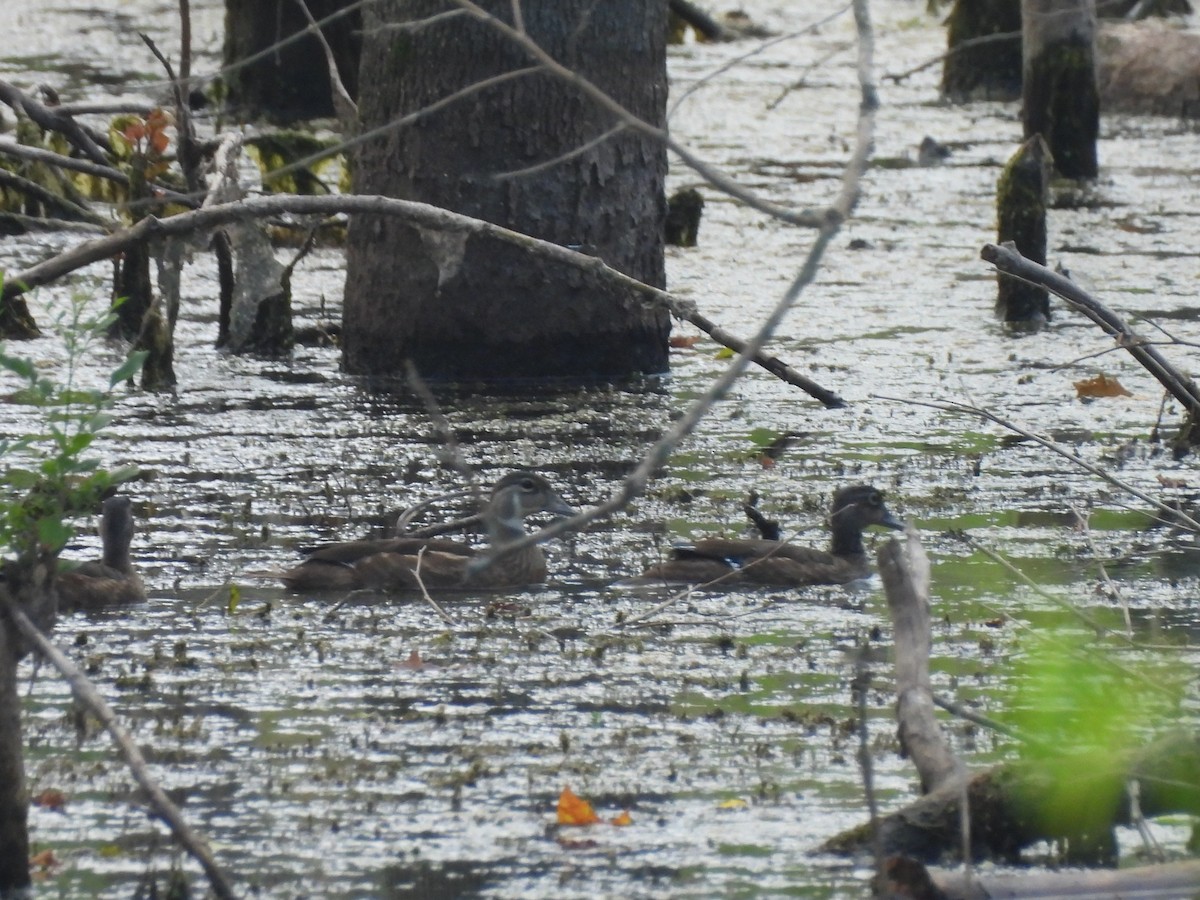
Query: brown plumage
{"type": "Point", "coordinates": [110, 581]}
{"type": "Point", "coordinates": [764, 562]}
{"type": "Point", "coordinates": [391, 564]}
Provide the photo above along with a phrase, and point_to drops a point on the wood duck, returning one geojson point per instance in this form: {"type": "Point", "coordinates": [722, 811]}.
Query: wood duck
{"type": "Point", "coordinates": [767, 562]}
{"type": "Point", "coordinates": [393, 564]}
{"type": "Point", "coordinates": [110, 581]}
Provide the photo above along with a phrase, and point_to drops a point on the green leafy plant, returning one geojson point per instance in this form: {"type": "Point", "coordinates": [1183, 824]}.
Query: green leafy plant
{"type": "Point", "coordinates": [50, 477]}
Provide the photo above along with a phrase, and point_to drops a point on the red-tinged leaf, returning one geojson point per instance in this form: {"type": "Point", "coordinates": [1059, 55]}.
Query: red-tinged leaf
{"type": "Point", "coordinates": [574, 810]}
{"type": "Point", "coordinates": [684, 341]}
{"type": "Point", "coordinates": [414, 662]}
{"type": "Point", "coordinates": [766, 462]}
{"type": "Point", "coordinates": [1171, 482]}
{"type": "Point", "coordinates": [134, 132]}
{"type": "Point", "coordinates": [1101, 386]}
{"type": "Point", "coordinates": [51, 799]}
{"type": "Point", "coordinates": [43, 860]}
{"type": "Point", "coordinates": [623, 819]}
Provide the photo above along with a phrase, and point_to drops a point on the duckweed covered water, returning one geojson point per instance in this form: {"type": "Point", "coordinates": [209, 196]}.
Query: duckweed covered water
{"type": "Point", "coordinates": [323, 759]}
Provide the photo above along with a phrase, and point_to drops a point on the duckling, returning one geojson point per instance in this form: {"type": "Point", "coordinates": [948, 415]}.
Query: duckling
{"type": "Point", "coordinates": [765, 562]}
{"type": "Point", "coordinates": [393, 564]}
{"type": "Point", "coordinates": [110, 581]}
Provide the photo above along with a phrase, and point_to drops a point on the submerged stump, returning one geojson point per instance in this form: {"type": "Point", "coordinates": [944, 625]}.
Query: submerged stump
{"type": "Point", "coordinates": [1060, 97]}
{"type": "Point", "coordinates": [983, 43]}
{"type": "Point", "coordinates": [1021, 196]}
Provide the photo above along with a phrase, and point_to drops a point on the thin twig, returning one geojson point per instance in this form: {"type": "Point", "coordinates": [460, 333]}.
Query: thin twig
{"type": "Point", "coordinates": [85, 692]}
{"type": "Point", "coordinates": [635, 483]}
{"type": "Point", "coordinates": [804, 218]}
{"type": "Point", "coordinates": [1171, 513]}
{"type": "Point", "coordinates": [750, 54]}
{"type": "Point", "coordinates": [1082, 521]}
{"type": "Point", "coordinates": [420, 214]}
{"type": "Point", "coordinates": [445, 616]}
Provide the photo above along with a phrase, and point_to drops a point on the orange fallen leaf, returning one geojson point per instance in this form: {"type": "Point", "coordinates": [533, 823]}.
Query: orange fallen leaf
{"type": "Point", "coordinates": [574, 810]}
{"type": "Point", "coordinates": [1101, 386]}
{"type": "Point", "coordinates": [684, 341]}
{"type": "Point", "coordinates": [623, 819]}
{"type": "Point", "coordinates": [413, 662]}
{"type": "Point", "coordinates": [41, 864]}
{"type": "Point", "coordinates": [51, 799]}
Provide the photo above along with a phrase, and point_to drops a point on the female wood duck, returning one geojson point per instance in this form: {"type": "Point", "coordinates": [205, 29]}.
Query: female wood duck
{"type": "Point", "coordinates": [393, 564]}
{"type": "Point", "coordinates": [766, 562]}
{"type": "Point", "coordinates": [110, 581]}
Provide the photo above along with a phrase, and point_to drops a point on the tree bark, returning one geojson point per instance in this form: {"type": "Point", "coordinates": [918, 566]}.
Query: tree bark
{"type": "Point", "coordinates": [1021, 197]}
{"type": "Point", "coordinates": [288, 83]}
{"type": "Point", "coordinates": [1060, 98]}
{"type": "Point", "coordinates": [14, 801]}
{"type": "Point", "coordinates": [474, 308]}
{"type": "Point", "coordinates": [24, 584]}
{"type": "Point", "coordinates": [981, 62]}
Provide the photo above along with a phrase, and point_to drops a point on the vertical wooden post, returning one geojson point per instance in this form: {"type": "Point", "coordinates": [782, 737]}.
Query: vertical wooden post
{"type": "Point", "coordinates": [1059, 95]}
{"type": "Point", "coordinates": [990, 69]}
{"type": "Point", "coordinates": [1021, 196]}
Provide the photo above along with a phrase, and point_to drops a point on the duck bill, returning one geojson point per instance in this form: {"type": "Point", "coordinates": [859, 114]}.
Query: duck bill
{"type": "Point", "coordinates": [890, 521]}
{"type": "Point", "coordinates": [560, 508]}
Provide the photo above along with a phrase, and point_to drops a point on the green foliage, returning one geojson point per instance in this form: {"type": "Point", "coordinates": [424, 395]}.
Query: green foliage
{"type": "Point", "coordinates": [278, 155]}
{"type": "Point", "coordinates": [1083, 715]}
{"type": "Point", "coordinates": [50, 477]}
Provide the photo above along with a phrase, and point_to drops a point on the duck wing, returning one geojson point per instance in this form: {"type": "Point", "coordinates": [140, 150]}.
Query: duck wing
{"type": "Point", "coordinates": [385, 564]}
{"type": "Point", "coordinates": [778, 563]}
{"type": "Point", "coordinates": [350, 552]}
{"type": "Point", "coordinates": [93, 585]}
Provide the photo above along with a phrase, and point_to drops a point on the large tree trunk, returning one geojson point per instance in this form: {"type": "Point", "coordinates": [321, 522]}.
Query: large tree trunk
{"type": "Point", "coordinates": [25, 584]}
{"type": "Point", "coordinates": [990, 68]}
{"type": "Point", "coordinates": [475, 308]}
{"type": "Point", "coordinates": [291, 82]}
{"type": "Point", "coordinates": [1060, 98]}
{"type": "Point", "coordinates": [14, 801]}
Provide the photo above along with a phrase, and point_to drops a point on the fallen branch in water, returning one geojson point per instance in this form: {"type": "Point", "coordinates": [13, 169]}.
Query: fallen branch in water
{"type": "Point", "coordinates": [1010, 262]}
{"type": "Point", "coordinates": [420, 214]}
{"type": "Point", "coordinates": [85, 692]}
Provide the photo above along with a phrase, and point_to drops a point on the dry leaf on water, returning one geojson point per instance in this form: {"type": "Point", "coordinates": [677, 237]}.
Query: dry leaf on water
{"type": "Point", "coordinates": [684, 341]}
{"type": "Point", "coordinates": [1101, 386]}
{"type": "Point", "coordinates": [574, 810]}
{"type": "Point", "coordinates": [413, 662]}
{"type": "Point", "coordinates": [51, 799]}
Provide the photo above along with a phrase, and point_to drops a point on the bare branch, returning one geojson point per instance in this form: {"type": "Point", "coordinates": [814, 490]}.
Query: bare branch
{"type": "Point", "coordinates": [343, 103]}
{"type": "Point", "coordinates": [86, 693]}
{"type": "Point", "coordinates": [1009, 261]}
{"type": "Point", "coordinates": [421, 214]}
{"type": "Point", "coordinates": [52, 120]}
{"type": "Point", "coordinates": [1172, 514]}
{"type": "Point", "coordinates": [47, 197]}
{"type": "Point", "coordinates": [805, 218]}
{"type": "Point", "coordinates": [635, 484]}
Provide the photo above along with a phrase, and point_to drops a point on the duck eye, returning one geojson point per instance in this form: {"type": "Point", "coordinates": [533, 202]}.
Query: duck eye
{"type": "Point", "coordinates": [876, 499]}
{"type": "Point", "coordinates": [528, 486]}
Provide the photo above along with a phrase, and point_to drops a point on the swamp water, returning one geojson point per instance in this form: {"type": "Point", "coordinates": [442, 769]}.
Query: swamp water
{"type": "Point", "coordinates": [321, 761]}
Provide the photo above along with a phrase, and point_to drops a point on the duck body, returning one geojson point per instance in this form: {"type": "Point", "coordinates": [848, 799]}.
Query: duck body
{"type": "Point", "coordinates": [408, 563]}
{"type": "Point", "coordinates": [111, 580]}
{"type": "Point", "coordinates": [731, 562]}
